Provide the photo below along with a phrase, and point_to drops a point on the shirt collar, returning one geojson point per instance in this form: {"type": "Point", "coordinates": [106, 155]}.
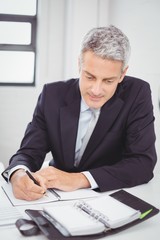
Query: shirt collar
{"type": "Point", "coordinates": [85, 107]}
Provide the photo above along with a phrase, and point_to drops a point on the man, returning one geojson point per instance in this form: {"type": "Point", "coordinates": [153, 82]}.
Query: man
{"type": "Point", "coordinates": [120, 152]}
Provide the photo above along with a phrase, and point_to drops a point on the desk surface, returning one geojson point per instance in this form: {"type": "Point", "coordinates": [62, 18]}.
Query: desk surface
{"type": "Point", "coordinates": [147, 230]}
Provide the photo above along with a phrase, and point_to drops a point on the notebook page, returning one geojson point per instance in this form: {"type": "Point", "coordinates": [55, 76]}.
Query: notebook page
{"type": "Point", "coordinates": [78, 194]}
{"type": "Point", "coordinates": [117, 213]}
{"type": "Point", "coordinates": [7, 188]}
{"type": "Point", "coordinates": [75, 220]}
{"type": "Point", "coordinates": [49, 197]}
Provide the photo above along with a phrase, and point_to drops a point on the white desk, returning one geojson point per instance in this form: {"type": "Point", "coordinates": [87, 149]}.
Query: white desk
{"type": "Point", "coordinates": [146, 230]}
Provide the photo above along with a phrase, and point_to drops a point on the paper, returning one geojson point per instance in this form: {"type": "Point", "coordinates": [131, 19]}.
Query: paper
{"type": "Point", "coordinates": [9, 215]}
{"type": "Point", "coordinates": [78, 194]}
{"type": "Point", "coordinates": [115, 211]}
{"type": "Point", "coordinates": [74, 221]}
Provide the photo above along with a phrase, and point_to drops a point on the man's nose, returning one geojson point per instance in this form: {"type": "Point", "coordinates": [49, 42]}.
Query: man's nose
{"type": "Point", "coordinates": [97, 88]}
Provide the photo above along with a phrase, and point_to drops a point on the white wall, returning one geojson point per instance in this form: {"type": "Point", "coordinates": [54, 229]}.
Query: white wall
{"type": "Point", "coordinates": [62, 24]}
{"type": "Point", "coordinates": [81, 16]}
{"type": "Point", "coordinates": [140, 20]}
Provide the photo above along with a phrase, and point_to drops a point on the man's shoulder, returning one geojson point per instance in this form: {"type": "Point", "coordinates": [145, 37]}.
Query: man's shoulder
{"type": "Point", "coordinates": [131, 87]}
{"type": "Point", "coordinates": [61, 90]}
{"type": "Point", "coordinates": [134, 82]}
{"type": "Point", "coordinates": [62, 84]}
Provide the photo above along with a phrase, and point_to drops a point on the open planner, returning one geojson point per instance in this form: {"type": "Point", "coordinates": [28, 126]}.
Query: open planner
{"type": "Point", "coordinates": [91, 218]}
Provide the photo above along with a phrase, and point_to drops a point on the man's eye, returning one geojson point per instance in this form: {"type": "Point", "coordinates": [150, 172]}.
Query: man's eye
{"type": "Point", "coordinates": [109, 81]}
{"type": "Point", "coordinates": [89, 77]}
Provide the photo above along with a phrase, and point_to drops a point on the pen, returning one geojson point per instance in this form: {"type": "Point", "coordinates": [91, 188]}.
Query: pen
{"type": "Point", "coordinates": [33, 179]}
{"type": "Point", "coordinates": [37, 183]}
{"type": "Point", "coordinates": [55, 193]}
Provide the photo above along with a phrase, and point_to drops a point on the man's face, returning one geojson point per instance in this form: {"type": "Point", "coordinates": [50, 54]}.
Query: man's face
{"type": "Point", "coordinates": [99, 79]}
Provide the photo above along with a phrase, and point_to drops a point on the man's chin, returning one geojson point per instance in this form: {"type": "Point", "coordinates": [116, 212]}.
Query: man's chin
{"type": "Point", "coordinates": [95, 105]}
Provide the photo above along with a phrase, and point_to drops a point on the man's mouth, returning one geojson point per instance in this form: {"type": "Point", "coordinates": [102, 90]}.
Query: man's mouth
{"type": "Point", "coordinates": [95, 98]}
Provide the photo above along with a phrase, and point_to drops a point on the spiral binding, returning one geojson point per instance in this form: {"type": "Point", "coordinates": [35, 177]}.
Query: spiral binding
{"type": "Point", "coordinates": [100, 217]}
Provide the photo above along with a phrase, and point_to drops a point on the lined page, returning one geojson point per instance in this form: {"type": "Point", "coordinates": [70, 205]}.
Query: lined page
{"type": "Point", "coordinates": [9, 215]}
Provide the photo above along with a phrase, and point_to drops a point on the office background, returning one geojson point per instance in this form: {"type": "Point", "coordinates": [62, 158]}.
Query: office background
{"type": "Point", "coordinates": [61, 27]}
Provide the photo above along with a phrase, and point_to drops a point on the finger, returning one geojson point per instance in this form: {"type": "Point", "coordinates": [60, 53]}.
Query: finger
{"type": "Point", "coordinates": [38, 182]}
{"type": "Point", "coordinates": [42, 181]}
{"type": "Point", "coordinates": [26, 194]}
{"type": "Point", "coordinates": [24, 188]}
{"type": "Point", "coordinates": [30, 188]}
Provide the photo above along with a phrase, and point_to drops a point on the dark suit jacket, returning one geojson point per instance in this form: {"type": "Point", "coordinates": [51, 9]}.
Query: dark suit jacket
{"type": "Point", "coordinates": [121, 151]}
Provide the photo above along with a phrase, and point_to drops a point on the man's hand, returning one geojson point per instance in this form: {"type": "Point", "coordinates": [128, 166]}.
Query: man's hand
{"type": "Point", "coordinates": [24, 188]}
{"type": "Point", "coordinates": [63, 180]}
{"type": "Point", "coordinates": [50, 177]}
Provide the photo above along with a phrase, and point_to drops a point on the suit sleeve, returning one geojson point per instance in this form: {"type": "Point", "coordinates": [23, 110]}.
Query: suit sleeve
{"type": "Point", "coordinates": [35, 144]}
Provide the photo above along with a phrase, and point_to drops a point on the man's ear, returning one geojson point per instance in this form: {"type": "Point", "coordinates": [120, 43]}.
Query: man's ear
{"type": "Point", "coordinates": [123, 74]}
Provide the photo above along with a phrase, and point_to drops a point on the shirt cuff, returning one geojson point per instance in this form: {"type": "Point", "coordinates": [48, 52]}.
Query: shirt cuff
{"type": "Point", "coordinates": [8, 173]}
{"type": "Point", "coordinates": [91, 180]}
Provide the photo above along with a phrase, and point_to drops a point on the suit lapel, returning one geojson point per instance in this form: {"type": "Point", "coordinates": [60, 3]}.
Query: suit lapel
{"type": "Point", "coordinates": [109, 113]}
{"type": "Point", "coordinates": [69, 118]}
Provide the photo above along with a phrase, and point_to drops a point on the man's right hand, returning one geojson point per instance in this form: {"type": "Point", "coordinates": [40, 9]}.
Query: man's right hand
{"type": "Point", "coordinates": [24, 188]}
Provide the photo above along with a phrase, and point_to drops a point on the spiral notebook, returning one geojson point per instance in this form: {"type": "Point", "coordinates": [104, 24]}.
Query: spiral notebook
{"type": "Point", "coordinates": [92, 216]}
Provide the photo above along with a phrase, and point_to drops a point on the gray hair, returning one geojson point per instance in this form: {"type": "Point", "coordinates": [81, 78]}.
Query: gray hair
{"type": "Point", "coordinates": [108, 43]}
